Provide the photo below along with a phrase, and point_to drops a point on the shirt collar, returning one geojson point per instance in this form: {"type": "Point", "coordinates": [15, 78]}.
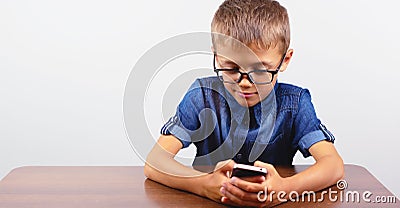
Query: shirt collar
{"type": "Point", "coordinates": [261, 109]}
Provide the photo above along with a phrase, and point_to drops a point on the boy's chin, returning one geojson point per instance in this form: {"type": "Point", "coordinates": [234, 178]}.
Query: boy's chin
{"type": "Point", "coordinates": [247, 103]}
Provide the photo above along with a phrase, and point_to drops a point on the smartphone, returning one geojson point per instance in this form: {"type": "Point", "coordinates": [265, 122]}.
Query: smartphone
{"type": "Point", "coordinates": [242, 170]}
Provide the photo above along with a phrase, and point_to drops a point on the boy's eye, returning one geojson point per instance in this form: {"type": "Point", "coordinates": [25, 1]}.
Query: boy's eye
{"type": "Point", "coordinates": [260, 72]}
{"type": "Point", "coordinates": [232, 71]}
{"type": "Point", "coordinates": [231, 67]}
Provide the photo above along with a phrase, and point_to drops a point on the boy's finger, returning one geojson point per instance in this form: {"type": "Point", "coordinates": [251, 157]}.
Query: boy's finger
{"type": "Point", "coordinates": [246, 185]}
{"type": "Point", "coordinates": [262, 164]}
{"type": "Point", "coordinates": [235, 196]}
{"type": "Point", "coordinates": [226, 165]}
{"type": "Point", "coordinates": [254, 179]}
{"type": "Point", "coordinates": [270, 168]}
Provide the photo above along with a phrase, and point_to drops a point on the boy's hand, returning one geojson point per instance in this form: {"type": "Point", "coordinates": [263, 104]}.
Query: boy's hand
{"type": "Point", "coordinates": [244, 192]}
{"type": "Point", "coordinates": [214, 180]}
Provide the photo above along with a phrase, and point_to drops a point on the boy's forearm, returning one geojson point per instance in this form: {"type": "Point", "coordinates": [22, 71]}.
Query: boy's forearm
{"type": "Point", "coordinates": [187, 183]}
{"type": "Point", "coordinates": [325, 172]}
{"type": "Point", "coordinates": [162, 167]}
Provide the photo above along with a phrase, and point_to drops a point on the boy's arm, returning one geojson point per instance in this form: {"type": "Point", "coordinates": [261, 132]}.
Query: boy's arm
{"type": "Point", "coordinates": [327, 170]}
{"type": "Point", "coordinates": [162, 167]}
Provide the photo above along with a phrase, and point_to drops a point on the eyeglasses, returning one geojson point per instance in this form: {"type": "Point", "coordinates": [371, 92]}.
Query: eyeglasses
{"type": "Point", "coordinates": [256, 76]}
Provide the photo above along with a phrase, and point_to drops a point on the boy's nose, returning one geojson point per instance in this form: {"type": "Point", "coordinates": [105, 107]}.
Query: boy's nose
{"type": "Point", "coordinates": [245, 82]}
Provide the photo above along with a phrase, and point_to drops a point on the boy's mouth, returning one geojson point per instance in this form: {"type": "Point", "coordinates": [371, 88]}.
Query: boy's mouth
{"type": "Point", "coordinates": [246, 94]}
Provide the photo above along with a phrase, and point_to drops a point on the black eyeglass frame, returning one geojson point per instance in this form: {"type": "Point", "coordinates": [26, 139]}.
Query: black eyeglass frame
{"type": "Point", "coordinates": [248, 74]}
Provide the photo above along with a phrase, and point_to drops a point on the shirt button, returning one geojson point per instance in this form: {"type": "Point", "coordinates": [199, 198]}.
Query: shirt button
{"type": "Point", "coordinates": [239, 156]}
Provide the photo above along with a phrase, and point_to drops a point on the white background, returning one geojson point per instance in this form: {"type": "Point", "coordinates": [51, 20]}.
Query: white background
{"type": "Point", "coordinates": [64, 65]}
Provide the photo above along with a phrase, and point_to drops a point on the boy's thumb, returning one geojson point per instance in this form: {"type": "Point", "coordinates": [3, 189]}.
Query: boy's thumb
{"type": "Point", "coordinates": [224, 166]}
{"type": "Point", "coordinates": [270, 168]}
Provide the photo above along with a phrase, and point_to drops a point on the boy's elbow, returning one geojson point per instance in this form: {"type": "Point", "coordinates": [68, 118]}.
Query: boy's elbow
{"type": "Point", "coordinates": [339, 173]}
{"type": "Point", "coordinates": [147, 171]}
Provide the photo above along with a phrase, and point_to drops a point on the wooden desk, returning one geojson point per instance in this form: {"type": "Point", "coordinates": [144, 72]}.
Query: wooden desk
{"type": "Point", "coordinates": [127, 187]}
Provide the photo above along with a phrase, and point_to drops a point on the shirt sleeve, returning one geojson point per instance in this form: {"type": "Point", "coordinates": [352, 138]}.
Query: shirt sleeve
{"type": "Point", "coordinates": [185, 123]}
{"type": "Point", "coordinates": [308, 128]}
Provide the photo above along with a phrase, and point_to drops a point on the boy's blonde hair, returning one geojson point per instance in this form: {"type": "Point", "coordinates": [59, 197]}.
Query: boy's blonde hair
{"type": "Point", "coordinates": [264, 23]}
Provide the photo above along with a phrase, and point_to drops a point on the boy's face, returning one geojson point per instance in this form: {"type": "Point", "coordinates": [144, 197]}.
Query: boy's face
{"type": "Point", "coordinates": [245, 92]}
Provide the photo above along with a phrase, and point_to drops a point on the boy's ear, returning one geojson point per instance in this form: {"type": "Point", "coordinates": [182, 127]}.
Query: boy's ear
{"type": "Point", "coordinates": [289, 55]}
{"type": "Point", "coordinates": [214, 52]}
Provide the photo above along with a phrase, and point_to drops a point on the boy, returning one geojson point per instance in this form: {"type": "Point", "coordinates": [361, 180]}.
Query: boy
{"type": "Point", "coordinates": [244, 115]}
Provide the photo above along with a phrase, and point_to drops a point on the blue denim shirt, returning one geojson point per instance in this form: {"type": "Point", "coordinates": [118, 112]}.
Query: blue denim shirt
{"type": "Point", "coordinates": [271, 131]}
